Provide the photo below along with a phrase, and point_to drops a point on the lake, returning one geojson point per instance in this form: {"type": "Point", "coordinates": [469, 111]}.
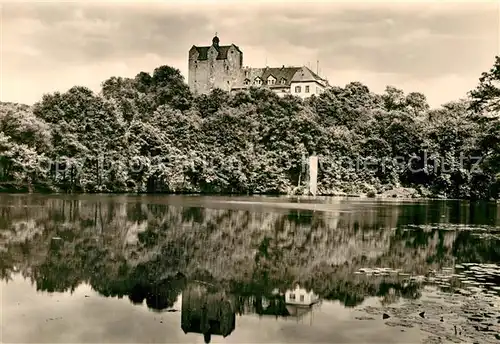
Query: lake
{"type": "Point", "coordinates": [196, 269]}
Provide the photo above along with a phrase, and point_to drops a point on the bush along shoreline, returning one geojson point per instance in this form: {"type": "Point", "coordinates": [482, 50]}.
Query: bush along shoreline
{"type": "Point", "coordinates": [401, 192]}
{"type": "Point", "coordinates": [149, 134]}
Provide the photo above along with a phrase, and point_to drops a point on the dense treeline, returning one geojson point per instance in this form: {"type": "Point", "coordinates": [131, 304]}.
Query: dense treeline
{"type": "Point", "coordinates": [150, 134]}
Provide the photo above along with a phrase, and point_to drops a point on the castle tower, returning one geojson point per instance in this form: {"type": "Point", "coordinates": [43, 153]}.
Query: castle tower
{"type": "Point", "coordinates": [214, 66]}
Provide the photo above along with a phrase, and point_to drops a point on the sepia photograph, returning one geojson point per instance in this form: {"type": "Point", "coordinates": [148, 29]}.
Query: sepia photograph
{"type": "Point", "coordinates": [244, 172]}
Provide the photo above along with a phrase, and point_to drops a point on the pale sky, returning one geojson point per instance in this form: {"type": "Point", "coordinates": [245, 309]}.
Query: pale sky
{"type": "Point", "coordinates": [439, 49]}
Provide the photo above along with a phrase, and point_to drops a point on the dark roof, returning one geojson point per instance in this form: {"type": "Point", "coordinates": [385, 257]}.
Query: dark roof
{"type": "Point", "coordinates": [223, 49]}
{"type": "Point", "coordinates": [279, 73]}
{"type": "Point", "coordinates": [315, 76]}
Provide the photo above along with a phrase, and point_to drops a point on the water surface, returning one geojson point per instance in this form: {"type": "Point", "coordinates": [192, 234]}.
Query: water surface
{"type": "Point", "coordinates": [172, 269]}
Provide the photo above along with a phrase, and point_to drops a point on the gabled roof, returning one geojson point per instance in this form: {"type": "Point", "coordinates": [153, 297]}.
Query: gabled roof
{"type": "Point", "coordinates": [289, 74]}
{"type": "Point", "coordinates": [315, 76]}
{"type": "Point", "coordinates": [286, 73]}
{"type": "Point", "coordinates": [223, 49]}
{"type": "Point", "coordinates": [306, 74]}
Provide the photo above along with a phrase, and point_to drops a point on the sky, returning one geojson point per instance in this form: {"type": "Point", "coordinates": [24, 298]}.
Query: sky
{"type": "Point", "coordinates": [437, 48]}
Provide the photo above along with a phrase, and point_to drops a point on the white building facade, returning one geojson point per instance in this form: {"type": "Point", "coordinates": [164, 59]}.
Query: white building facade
{"type": "Point", "coordinates": [300, 296]}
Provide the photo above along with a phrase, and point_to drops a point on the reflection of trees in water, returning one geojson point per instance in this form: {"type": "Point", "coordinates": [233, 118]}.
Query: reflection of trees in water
{"type": "Point", "coordinates": [338, 283]}
{"type": "Point", "coordinates": [469, 247]}
{"type": "Point", "coordinates": [136, 249]}
{"type": "Point", "coordinates": [158, 296]}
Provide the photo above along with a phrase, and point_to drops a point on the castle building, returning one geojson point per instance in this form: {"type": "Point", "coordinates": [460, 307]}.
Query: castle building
{"type": "Point", "coordinates": [221, 66]}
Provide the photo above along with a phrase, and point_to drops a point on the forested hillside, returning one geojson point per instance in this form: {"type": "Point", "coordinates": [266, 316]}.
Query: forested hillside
{"type": "Point", "coordinates": [150, 134]}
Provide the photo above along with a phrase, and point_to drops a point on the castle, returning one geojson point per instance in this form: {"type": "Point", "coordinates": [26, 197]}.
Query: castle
{"type": "Point", "coordinates": [221, 66]}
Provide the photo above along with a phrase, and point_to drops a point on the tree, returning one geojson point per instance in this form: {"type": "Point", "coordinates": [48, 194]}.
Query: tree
{"type": "Point", "coordinates": [486, 96]}
{"type": "Point", "coordinates": [168, 85]}
{"type": "Point", "coordinates": [394, 98]}
{"type": "Point", "coordinates": [416, 103]}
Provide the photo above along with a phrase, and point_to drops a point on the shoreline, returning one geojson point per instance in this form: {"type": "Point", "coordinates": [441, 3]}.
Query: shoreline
{"type": "Point", "coordinates": [299, 198]}
{"type": "Point", "coordinates": [396, 193]}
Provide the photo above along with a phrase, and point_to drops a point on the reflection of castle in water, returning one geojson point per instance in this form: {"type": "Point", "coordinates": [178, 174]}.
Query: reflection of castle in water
{"type": "Point", "coordinates": [213, 312]}
{"type": "Point", "coordinates": [294, 303]}
{"type": "Point", "coordinates": [208, 312]}
{"type": "Point", "coordinates": [300, 302]}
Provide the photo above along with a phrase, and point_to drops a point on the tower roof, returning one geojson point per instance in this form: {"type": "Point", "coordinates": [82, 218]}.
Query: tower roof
{"type": "Point", "coordinates": [223, 49]}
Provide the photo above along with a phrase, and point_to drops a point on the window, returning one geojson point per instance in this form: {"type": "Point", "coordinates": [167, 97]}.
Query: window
{"type": "Point", "coordinates": [271, 82]}
{"type": "Point", "coordinates": [283, 81]}
{"type": "Point", "coordinates": [297, 89]}
{"type": "Point", "coordinates": [301, 298]}
{"type": "Point", "coordinates": [246, 82]}
{"type": "Point", "coordinates": [292, 296]}
{"type": "Point", "coordinates": [258, 81]}
{"type": "Point", "coordinates": [307, 89]}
